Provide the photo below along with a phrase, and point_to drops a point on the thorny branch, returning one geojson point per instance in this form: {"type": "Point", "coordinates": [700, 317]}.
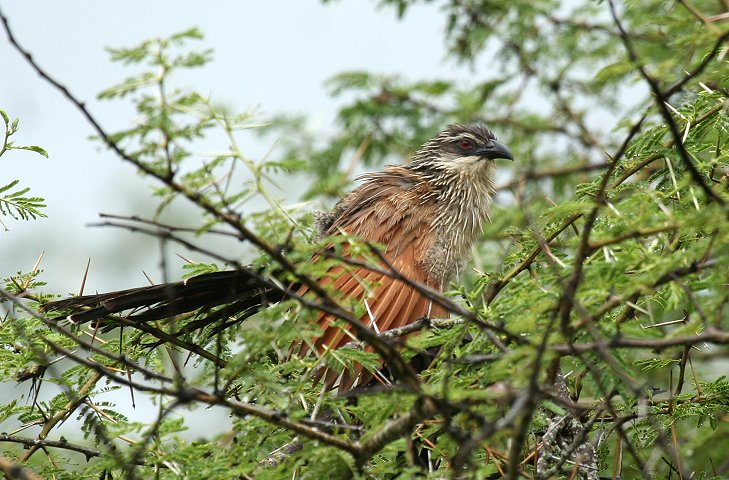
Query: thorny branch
{"type": "Point", "coordinates": [425, 407]}
{"type": "Point", "coordinates": [62, 444]}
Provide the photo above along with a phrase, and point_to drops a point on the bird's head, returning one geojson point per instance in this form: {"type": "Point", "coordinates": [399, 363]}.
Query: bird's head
{"type": "Point", "coordinates": [460, 149]}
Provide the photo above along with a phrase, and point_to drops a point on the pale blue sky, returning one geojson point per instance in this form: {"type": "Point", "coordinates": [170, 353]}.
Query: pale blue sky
{"type": "Point", "coordinates": [273, 55]}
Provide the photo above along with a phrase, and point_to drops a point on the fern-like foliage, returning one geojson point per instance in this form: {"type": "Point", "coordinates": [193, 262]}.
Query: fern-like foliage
{"type": "Point", "coordinates": [14, 201]}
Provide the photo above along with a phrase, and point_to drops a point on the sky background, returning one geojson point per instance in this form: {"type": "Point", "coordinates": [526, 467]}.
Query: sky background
{"type": "Point", "coordinates": [272, 56]}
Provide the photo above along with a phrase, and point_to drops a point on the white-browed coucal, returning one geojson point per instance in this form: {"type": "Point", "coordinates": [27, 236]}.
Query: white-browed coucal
{"type": "Point", "coordinates": [427, 214]}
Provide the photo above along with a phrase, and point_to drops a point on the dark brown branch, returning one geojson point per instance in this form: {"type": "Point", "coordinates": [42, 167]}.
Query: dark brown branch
{"type": "Point", "coordinates": [710, 335]}
{"type": "Point", "coordinates": [551, 173]}
{"type": "Point", "coordinates": [166, 226]}
{"type": "Point", "coordinates": [62, 444]}
{"type": "Point", "coordinates": [640, 232]}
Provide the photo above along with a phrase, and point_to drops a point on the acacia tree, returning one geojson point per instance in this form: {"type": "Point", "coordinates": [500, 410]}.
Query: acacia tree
{"type": "Point", "coordinates": [589, 340]}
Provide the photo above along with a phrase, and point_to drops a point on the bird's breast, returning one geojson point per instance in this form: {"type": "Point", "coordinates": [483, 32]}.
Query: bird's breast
{"type": "Point", "coordinates": [462, 209]}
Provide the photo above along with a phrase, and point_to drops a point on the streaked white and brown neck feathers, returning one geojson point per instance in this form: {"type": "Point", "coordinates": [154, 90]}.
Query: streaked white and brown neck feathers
{"type": "Point", "coordinates": [437, 203]}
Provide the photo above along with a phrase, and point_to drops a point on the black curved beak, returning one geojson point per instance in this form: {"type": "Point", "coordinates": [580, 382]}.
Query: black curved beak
{"type": "Point", "coordinates": [495, 150]}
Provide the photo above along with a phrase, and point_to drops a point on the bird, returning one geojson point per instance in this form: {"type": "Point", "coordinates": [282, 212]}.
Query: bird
{"type": "Point", "coordinates": [425, 215]}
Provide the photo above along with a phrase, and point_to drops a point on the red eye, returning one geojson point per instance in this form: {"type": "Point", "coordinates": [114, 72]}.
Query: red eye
{"type": "Point", "coordinates": [465, 145]}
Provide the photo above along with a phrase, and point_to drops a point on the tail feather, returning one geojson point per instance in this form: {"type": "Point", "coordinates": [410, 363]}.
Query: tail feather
{"type": "Point", "coordinates": [243, 292]}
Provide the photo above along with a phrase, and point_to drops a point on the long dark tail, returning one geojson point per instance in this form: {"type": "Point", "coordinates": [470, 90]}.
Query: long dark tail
{"type": "Point", "coordinates": [243, 292]}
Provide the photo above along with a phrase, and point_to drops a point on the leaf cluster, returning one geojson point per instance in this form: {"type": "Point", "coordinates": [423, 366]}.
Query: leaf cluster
{"type": "Point", "coordinates": [13, 201]}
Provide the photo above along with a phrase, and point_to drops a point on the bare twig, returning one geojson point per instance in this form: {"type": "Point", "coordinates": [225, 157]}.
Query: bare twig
{"type": "Point", "coordinates": [710, 335]}
{"type": "Point", "coordinates": [62, 444]}
{"type": "Point", "coordinates": [553, 172]}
